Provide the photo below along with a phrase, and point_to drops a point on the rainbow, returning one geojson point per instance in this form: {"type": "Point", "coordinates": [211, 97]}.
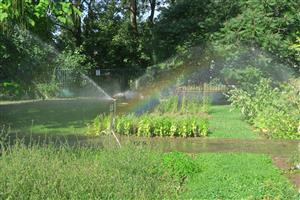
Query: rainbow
{"type": "Point", "coordinates": [164, 80]}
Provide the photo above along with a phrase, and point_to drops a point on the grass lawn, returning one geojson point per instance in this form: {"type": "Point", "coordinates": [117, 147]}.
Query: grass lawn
{"type": "Point", "coordinates": [137, 173]}
{"type": "Point", "coordinates": [238, 176]}
{"type": "Point", "coordinates": [52, 116]}
{"type": "Point", "coordinates": [225, 123]}
{"type": "Point", "coordinates": [85, 173]}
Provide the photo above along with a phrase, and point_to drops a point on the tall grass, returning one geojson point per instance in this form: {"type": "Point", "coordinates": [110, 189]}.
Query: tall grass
{"type": "Point", "coordinates": [85, 173]}
{"type": "Point", "coordinates": [183, 105]}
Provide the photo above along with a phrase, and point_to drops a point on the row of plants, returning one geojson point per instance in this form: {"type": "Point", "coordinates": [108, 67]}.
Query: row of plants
{"type": "Point", "coordinates": [181, 105]}
{"type": "Point", "coordinates": [272, 108]}
{"type": "Point", "coordinates": [151, 125]}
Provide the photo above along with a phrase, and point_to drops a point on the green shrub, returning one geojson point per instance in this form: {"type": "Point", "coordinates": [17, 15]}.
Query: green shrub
{"type": "Point", "coordinates": [100, 125]}
{"type": "Point", "coordinates": [10, 90]}
{"type": "Point", "coordinates": [274, 110]}
{"type": "Point", "coordinates": [180, 165]}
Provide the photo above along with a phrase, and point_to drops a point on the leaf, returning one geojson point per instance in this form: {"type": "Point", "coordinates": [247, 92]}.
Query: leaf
{"type": "Point", "coordinates": [65, 7]}
{"type": "Point", "coordinates": [31, 22]}
{"type": "Point", "coordinates": [77, 11]}
{"type": "Point", "coordinates": [62, 19]}
{"type": "Point", "coordinates": [3, 16]}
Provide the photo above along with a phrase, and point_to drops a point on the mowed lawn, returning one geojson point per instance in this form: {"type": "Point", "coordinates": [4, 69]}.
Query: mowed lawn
{"type": "Point", "coordinates": [226, 122]}
{"type": "Point", "coordinates": [68, 116]}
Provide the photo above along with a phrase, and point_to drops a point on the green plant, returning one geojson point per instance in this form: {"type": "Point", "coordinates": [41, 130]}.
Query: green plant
{"type": "Point", "coordinates": [47, 90]}
{"type": "Point", "coordinates": [152, 125]}
{"type": "Point", "coordinates": [274, 110]}
{"type": "Point", "coordinates": [180, 165]}
{"type": "Point", "coordinates": [100, 125]}
{"type": "Point", "coordinates": [10, 90]}
{"type": "Point", "coordinates": [4, 133]}
{"type": "Point", "coordinates": [183, 105]}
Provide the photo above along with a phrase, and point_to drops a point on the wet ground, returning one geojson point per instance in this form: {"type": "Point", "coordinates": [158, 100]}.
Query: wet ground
{"type": "Point", "coordinates": [282, 148]}
{"type": "Point", "coordinates": [55, 116]}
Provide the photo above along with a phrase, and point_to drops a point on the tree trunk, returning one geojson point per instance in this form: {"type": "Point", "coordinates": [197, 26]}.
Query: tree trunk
{"type": "Point", "coordinates": [133, 16]}
{"type": "Point", "coordinates": [77, 33]}
{"type": "Point", "coordinates": [151, 24]}
{"type": "Point", "coordinates": [152, 6]}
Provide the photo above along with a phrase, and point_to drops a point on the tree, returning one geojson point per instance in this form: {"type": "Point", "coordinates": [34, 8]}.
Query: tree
{"type": "Point", "coordinates": [189, 23]}
{"type": "Point", "coordinates": [270, 25]}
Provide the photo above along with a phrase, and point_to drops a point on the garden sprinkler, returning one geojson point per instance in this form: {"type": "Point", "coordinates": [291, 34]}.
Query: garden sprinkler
{"type": "Point", "coordinates": [113, 108]}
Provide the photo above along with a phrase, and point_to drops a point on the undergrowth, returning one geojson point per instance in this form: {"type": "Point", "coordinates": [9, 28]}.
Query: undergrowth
{"type": "Point", "coordinates": [92, 173]}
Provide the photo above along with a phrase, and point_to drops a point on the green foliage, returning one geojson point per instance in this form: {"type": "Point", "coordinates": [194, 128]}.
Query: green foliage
{"type": "Point", "coordinates": [27, 13]}
{"type": "Point", "coordinates": [4, 136]}
{"type": "Point", "coordinates": [150, 125]}
{"type": "Point", "coordinates": [242, 77]}
{"type": "Point", "coordinates": [25, 61]}
{"type": "Point", "coordinates": [100, 125]}
{"type": "Point", "coordinates": [271, 25]}
{"type": "Point", "coordinates": [188, 23]}
{"type": "Point", "coordinates": [182, 105]}
{"type": "Point", "coordinates": [84, 173]}
{"type": "Point", "coordinates": [74, 61]}
{"type": "Point", "coordinates": [47, 90]}
{"type": "Point", "coordinates": [274, 110]}
{"type": "Point", "coordinates": [29, 65]}
{"type": "Point", "coordinates": [296, 47]}
{"type": "Point", "coordinates": [180, 165]}
{"type": "Point", "coordinates": [10, 90]}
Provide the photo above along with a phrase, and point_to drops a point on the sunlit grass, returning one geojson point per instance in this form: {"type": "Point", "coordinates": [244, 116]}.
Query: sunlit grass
{"type": "Point", "coordinates": [228, 123]}
{"type": "Point", "coordinates": [238, 176]}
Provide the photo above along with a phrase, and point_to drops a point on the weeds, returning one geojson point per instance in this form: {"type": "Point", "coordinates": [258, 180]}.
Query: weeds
{"type": "Point", "coordinates": [89, 173]}
{"type": "Point", "coordinates": [182, 105]}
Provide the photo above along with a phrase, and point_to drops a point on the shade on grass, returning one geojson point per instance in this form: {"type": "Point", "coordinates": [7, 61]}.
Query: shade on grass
{"type": "Point", "coordinates": [238, 176]}
{"type": "Point", "coordinates": [228, 123]}
{"type": "Point", "coordinates": [67, 116]}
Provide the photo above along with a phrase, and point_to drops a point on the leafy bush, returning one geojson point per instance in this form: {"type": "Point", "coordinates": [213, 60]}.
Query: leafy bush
{"type": "Point", "coordinates": [47, 90]}
{"type": "Point", "coordinates": [100, 125]}
{"type": "Point", "coordinates": [274, 110]}
{"type": "Point", "coordinates": [180, 165]}
{"type": "Point", "coordinates": [10, 90]}
{"type": "Point", "coordinates": [152, 125]}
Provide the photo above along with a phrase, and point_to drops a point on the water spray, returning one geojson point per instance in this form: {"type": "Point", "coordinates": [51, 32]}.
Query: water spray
{"type": "Point", "coordinates": [113, 109]}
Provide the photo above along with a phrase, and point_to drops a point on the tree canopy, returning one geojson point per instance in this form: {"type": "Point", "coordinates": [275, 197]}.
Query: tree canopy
{"type": "Point", "coordinates": [132, 35]}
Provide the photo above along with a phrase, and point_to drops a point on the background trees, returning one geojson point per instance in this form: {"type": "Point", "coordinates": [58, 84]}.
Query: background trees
{"type": "Point", "coordinates": [134, 34]}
